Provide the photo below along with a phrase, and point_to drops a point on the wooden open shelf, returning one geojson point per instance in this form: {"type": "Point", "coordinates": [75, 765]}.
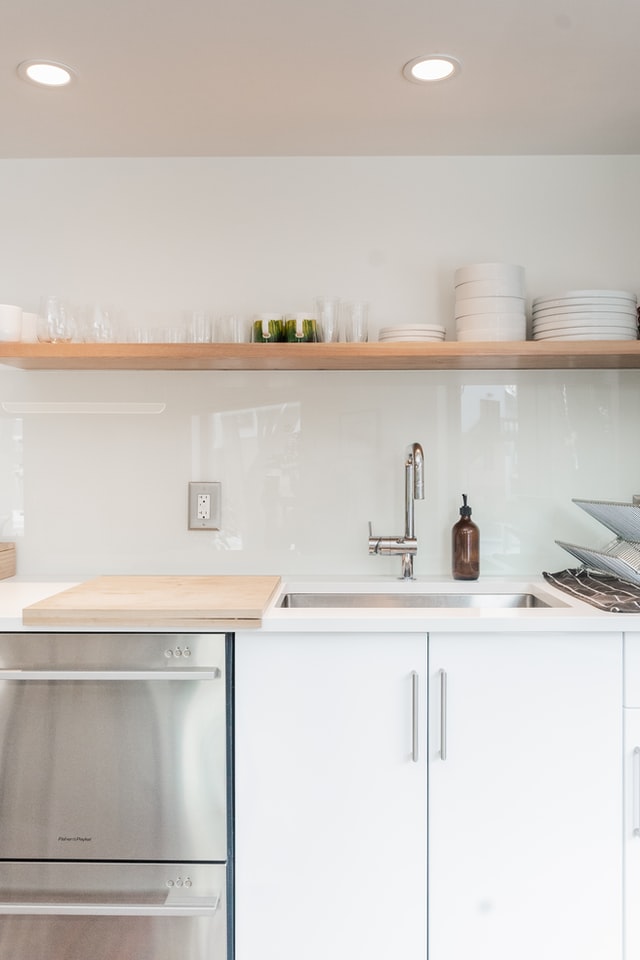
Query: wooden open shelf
{"type": "Point", "coordinates": [449, 355]}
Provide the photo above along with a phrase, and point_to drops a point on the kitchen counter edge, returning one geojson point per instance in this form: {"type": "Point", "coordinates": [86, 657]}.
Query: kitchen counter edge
{"type": "Point", "coordinates": [573, 616]}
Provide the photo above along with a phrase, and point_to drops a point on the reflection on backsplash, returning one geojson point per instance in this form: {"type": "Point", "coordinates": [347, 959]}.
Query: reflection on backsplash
{"type": "Point", "coordinates": [256, 450]}
{"type": "Point", "coordinates": [489, 426]}
{"type": "Point", "coordinates": [305, 460]}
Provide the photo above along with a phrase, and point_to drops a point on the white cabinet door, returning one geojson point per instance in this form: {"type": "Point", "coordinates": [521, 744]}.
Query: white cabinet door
{"type": "Point", "coordinates": [330, 801]}
{"type": "Point", "coordinates": [525, 848]}
{"type": "Point", "coordinates": [632, 833]}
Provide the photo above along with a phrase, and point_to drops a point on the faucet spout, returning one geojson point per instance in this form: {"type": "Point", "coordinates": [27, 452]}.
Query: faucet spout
{"type": "Point", "coordinates": [414, 490]}
{"type": "Point", "coordinates": [416, 455]}
{"type": "Point", "coordinates": [407, 545]}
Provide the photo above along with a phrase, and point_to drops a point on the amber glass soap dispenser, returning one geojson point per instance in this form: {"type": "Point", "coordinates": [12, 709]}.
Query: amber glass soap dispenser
{"type": "Point", "coordinates": [465, 545]}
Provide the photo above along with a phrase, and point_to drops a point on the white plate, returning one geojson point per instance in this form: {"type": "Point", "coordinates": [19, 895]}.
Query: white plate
{"type": "Point", "coordinates": [414, 328]}
{"type": "Point", "coordinates": [584, 336]}
{"type": "Point", "coordinates": [624, 316]}
{"type": "Point", "coordinates": [410, 333]}
{"type": "Point", "coordinates": [585, 309]}
{"type": "Point", "coordinates": [588, 295]}
{"type": "Point", "coordinates": [410, 339]}
{"type": "Point", "coordinates": [587, 320]}
{"type": "Point", "coordinates": [411, 336]}
{"type": "Point", "coordinates": [585, 324]}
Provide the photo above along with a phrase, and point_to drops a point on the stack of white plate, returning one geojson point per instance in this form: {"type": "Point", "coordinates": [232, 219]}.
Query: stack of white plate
{"type": "Point", "coordinates": [412, 331]}
{"type": "Point", "coordinates": [490, 302]}
{"type": "Point", "coordinates": [586, 315]}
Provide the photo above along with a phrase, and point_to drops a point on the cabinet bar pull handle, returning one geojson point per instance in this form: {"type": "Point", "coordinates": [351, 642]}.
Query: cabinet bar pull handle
{"type": "Point", "coordinates": [635, 799]}
{"type": "Point", "coordinates": [415, 711]}
{"type": "Point", "coordinates": [443, 714]}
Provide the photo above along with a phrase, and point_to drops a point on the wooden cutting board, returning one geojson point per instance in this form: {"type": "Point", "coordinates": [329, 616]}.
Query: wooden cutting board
{"type": "Point", "coordinates": [225, 602]}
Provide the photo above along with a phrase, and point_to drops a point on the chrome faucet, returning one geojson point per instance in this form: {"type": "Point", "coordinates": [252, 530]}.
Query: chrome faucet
{"type": "Point", "coordinates": [406, 546]}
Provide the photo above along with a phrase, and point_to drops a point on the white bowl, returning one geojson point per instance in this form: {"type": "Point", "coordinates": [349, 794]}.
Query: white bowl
{"type": "Point", "coordinates": [487, 333]}
{"type": "Point", "coordinates": [490, 271]}
{"type": "Point", "coordinates": [472, 305]}
{"type": "Point", "coordinates": [506, 321]}
{"type": "Point", "coordinates": [489, 288]}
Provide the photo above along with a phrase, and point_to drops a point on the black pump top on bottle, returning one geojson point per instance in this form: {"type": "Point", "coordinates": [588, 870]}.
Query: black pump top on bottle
{"type": "Point", "coordinates": [465, 510]}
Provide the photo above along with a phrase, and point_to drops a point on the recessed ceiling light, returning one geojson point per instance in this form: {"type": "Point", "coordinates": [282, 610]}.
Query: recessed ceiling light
{"type": "Point", "coordinates": [435, 66]}
{"type": "Point", "coordinates": [47, 73]}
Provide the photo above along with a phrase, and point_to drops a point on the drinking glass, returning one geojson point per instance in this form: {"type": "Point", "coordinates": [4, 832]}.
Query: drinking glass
{"type": "Point", "coordinates": [355, 321]}
{"type": "Point", "coordinates": [96, 324]}
{"type": "Point", "coordinates": [231, 328]}
{"type": "Point", "coordinates": [56, 321]}
{"type": "Point", "coordinates": [328, 319]}
{"type": "Point", "coordinates": [200, 329]}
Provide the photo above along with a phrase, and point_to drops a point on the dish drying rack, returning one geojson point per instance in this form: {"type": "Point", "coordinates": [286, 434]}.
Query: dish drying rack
{"type": "Point", "coordinates": [620, 556]}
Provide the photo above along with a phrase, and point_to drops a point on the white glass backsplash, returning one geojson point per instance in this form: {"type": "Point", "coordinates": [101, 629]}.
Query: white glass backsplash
{"type": "Point", "coordinates": [305, 461]}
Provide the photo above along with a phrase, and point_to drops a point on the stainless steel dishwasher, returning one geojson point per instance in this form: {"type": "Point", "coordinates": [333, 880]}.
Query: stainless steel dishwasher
{"type": "Point", "coordinates": [115, 796]}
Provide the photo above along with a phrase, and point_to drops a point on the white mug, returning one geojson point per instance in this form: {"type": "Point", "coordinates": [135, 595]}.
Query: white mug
{"type": "Point", "coordinates": [10, 322]}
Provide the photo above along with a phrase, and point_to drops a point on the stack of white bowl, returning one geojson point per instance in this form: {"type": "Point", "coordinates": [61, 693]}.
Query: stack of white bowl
{"type": "Point", "coordinates": [412, 331]}
{"type": "Point", "coordinates": [490, 302]}
{"type": "Point", "coordinates": [586, 315]}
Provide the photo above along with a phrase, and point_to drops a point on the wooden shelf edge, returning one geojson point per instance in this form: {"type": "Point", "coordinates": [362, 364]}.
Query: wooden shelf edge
{"type": "Point", "coordinates": [448, 355]}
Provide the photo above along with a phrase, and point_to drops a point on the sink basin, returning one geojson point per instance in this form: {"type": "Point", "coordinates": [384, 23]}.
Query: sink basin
{"type": "Point", "coordinates": [491, 601]}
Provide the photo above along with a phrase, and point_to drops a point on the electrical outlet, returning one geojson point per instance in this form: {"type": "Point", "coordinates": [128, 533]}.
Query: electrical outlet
{"type": "Point", "coordinates": [204, 506]}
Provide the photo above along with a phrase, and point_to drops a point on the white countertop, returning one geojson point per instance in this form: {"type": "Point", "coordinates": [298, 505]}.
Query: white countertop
{"type": "Point", "coordinates": [569, 615]}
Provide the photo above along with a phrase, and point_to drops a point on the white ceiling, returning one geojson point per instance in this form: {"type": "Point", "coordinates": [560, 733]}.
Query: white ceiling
{"type": "Point", "coordinates": [321, 77]}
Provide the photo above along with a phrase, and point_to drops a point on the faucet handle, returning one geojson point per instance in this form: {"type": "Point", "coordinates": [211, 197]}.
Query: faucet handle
{"type": "Point", "coordinates": [374, 542]}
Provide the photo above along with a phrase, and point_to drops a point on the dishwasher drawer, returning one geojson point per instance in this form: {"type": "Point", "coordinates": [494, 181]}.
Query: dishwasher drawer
{"type": "Point", "coordinates": [114, 748]}
{"type": "Point", "coordinates": [104, 911]}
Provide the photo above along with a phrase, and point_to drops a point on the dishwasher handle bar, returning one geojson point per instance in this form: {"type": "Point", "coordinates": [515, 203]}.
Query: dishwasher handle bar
{"type": "Point", "coordinates": [195, 908]}
{"type": "Point", "coordinates": [52, 674]}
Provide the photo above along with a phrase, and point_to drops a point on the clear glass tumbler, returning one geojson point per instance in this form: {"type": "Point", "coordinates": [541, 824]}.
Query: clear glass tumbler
{"type": "Point", "coordinates": [328, 319]}
{"type": "Point", "coordinates": [355, 321]}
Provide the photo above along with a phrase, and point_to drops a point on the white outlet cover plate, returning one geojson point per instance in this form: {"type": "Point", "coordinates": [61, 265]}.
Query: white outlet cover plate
{"type": "Point", "coordinates": [212, 490]}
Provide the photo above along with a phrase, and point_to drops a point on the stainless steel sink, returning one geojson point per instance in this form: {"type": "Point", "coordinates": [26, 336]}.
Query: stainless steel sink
{"type": "Point", "coordinates": [392, 600]}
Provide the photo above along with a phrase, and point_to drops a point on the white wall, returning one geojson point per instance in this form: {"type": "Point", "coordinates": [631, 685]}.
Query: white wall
{"type": "Point", "coordinates": [306, 459]}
